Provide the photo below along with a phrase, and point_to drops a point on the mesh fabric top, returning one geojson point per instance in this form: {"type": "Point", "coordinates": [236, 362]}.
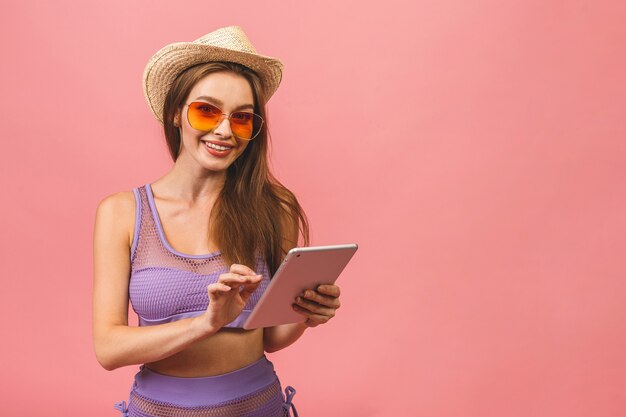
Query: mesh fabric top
{"type": "Point", "coordinates": [167, 285]}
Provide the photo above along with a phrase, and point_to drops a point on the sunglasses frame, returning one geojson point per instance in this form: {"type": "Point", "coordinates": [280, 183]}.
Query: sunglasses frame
{"type": "Point", "coordinates": [188, 105]}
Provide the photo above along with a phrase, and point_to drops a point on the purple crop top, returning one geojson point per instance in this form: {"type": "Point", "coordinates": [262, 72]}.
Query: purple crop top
{"type": "Point", "coordinates": [167, 285]}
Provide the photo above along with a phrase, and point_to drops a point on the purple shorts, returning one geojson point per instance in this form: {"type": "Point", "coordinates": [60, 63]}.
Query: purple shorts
{"type": "Point", "coordinates": [251, 391]}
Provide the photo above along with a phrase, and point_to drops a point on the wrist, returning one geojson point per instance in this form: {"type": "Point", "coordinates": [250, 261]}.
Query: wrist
{"type": "Point", "coordinates": [201, 327]}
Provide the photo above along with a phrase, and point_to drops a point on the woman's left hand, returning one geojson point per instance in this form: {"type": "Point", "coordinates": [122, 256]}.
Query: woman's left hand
{"type": "Point", "coordinates": [318, 306]}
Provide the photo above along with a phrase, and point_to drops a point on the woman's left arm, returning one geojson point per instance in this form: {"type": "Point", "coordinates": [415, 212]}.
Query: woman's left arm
{"type": "Point", "coordinates": [316, 305]}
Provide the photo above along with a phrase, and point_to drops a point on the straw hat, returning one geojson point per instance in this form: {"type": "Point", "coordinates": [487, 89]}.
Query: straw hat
{"type": "Point", "coordinates": [225, 44]}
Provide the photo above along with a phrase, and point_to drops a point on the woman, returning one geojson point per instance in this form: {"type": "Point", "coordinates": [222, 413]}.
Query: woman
{"type": "Point", "coordinates": [194, 250]}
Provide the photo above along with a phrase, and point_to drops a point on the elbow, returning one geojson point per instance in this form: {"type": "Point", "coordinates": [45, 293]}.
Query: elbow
{"type": "Point", "coordinates": [270, 349]}
{"type": "Point", "coordinates": [106, 359]}
{"type": "Point", "coordinates": [107, 366]}
{"type": "Point", "coordinates": [271, 346]}
{"type": "Point", "coordinates": [106, 362]}
{"type": "Point", "coordinates": [107, 353]}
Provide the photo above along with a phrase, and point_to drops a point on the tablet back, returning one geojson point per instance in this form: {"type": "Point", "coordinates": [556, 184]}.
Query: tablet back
{"type": "Point", "coordinates": [302, 269]}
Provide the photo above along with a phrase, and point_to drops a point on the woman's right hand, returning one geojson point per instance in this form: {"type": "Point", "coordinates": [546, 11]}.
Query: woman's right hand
{"type": "Point", "coordinates": [229, 295]}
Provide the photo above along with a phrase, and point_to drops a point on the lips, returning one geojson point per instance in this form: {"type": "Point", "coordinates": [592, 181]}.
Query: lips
{"type": "Point", "coordinates": [217, 152]}
{"type": "Point", "coordinates": [222, 144]}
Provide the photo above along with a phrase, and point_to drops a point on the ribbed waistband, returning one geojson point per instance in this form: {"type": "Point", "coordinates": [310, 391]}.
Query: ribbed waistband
{"type": "Point", "coordinates": [195, 391]}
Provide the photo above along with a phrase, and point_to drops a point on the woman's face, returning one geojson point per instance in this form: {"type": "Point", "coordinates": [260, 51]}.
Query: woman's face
{"type": "Point", "coordinates": [230, 92]}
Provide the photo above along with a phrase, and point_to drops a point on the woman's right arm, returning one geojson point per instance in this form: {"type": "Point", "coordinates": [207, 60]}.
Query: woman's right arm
{"type": "Point", "coordinates": [115, 343]}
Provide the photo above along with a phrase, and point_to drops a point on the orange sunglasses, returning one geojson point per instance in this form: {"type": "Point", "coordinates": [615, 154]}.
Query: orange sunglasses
{"type": "Point", "coordinates": [205, 116]}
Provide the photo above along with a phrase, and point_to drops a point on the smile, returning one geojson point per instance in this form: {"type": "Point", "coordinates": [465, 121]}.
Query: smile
{"type": "Point", "coordinates": [217, 150]}
{"type": "Point", "coordinates": [218, 147]}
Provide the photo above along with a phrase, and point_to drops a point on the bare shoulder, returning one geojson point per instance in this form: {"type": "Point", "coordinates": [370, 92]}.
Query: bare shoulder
{"type": "Point", "coordinates": [114, 222]}
{"type": "Point", "coordinates": [116, 214]}
{"type": "Point", "coordinates": [120, 201]}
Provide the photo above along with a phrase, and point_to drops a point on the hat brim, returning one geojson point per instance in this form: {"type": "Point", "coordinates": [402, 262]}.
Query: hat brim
{"type": "Point", "coordinates": [171, 60]}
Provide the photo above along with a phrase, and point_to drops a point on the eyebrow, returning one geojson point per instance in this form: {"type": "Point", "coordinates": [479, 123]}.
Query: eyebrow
{"type": "Point", "coordinates": [220, 103]}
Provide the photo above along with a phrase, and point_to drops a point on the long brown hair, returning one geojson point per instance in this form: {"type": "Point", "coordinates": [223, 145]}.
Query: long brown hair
{"type": "Point", "coordinates": [254, 211]}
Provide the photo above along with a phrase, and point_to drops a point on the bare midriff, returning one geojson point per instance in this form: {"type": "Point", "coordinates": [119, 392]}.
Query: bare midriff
{"type": "Point", "coordinates": [225, 351]}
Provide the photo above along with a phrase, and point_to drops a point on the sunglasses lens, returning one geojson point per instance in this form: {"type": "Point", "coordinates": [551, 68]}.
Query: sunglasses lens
{"type": "Point", "coordinates": [205, 116]}
{"type": "Point", "coordinates": [245, 125]}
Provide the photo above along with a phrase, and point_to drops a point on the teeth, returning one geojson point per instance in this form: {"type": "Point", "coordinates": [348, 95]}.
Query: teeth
{"type": "Point", "coordinates": [218, 147]}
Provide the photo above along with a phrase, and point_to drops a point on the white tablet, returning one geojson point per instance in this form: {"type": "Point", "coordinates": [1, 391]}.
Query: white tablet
{"type": "Point", "coordinates": [302, 269]}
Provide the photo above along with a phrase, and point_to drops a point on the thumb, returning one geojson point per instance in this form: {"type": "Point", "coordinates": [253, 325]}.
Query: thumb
{"type": "Point", "coordinates": [217, 289]}
{"type": "Point", "coordinates": [248, 289]}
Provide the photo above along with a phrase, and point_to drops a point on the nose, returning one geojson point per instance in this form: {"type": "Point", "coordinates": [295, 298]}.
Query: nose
{"type": "Point", "coordinates": [223, 128]}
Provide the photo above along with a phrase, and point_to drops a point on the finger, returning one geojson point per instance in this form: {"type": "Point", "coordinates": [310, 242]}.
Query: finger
{"type": "Point", "coordinates": [218, 286]}
{"type": "Point", "coordinates": [248, 289]}
{"type": "Point", "coordinates": [252, 283]}
{"type": "Point", "coordinates": [329, 289]}
{"type": "Point", "coordinates": [215, 289]}
{"type": "Point", "coordinates": [312, 319]}
{"type": "Point", "coordinates": [314, 307]}
{"type": "Point", "coordinates": [325, 300]}
{"type": "Point", "coordinates": [231, 278]}
{"type": "Point", "coordinates": [241, 269]}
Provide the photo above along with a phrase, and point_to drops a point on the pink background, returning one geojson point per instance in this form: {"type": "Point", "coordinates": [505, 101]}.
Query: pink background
{"type": "Point", "coordinates": [475, 150]}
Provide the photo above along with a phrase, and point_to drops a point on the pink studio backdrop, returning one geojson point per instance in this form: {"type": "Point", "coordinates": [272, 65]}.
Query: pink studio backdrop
{"type": "Point", "coordinates": [474, 149]}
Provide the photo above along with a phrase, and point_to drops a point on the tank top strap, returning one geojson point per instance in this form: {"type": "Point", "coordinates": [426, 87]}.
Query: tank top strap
{"type": "Point", "coordinates": [137, 227]}
{"type": "Point", "coordinates": [146, 214]}
{"type": "Point", "coordinates": [144, 239]}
